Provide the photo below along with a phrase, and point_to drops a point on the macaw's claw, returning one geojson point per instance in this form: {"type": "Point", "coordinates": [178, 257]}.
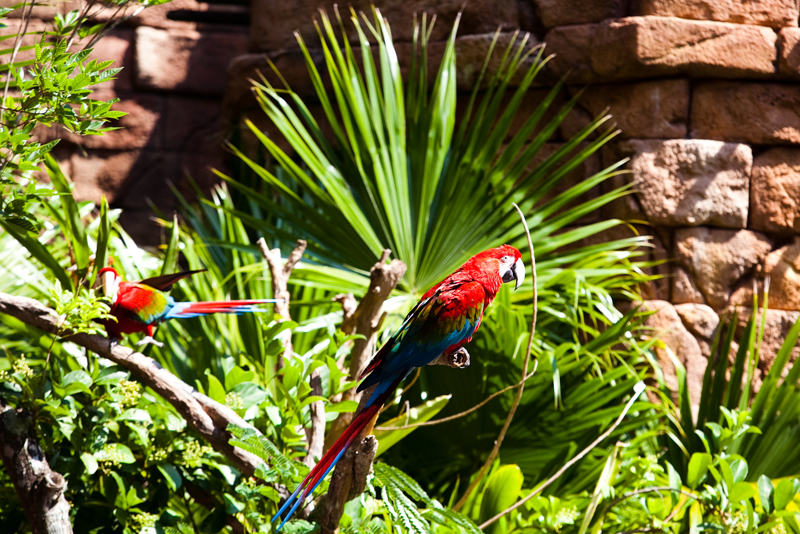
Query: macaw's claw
{"type": "Point", "coordinates": [151, 341]}
{"type": "Point", "coordinates": [458, 359]}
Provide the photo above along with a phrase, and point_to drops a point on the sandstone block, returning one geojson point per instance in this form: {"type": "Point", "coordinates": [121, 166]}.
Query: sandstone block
{"type": "Point", "coordinates": [773, 13]}
{"type": "Point", "coordinates": [761, 113]}
{"type": "Point", "coordinates": [701, 321]}
{"type": "Point", "coordinates": [669, 328]}
{"type": "Point", "coordinates": [777, 325]}
{"type": "Point", "coordinates": [193, 124]}
{"type": "Point", "coordinates": [775, 191]}
{"type": "Point", "coordinates": [141, 127]}
{"type": "Point", "coordinates": [684, 289]}
{"type": "Point", "coordinates": [572, 46]}
{"type": "Point", "coordinates": [644, 109]}
{"type": "Point", "coordinates": [185, 60]}
{"type": "Point", "coordinates": [782, 266]}
{"type": "Point", "coordinates": [103, 173]}
{"type": "Point", "coordinates": [134, 180]}
{"type": "Point", "coordinates": [646, 47]}
{"type": "Point", "coordinates": [553, 13]}
{"type": "Point", "coordinates": [717, 259]}
{"type": "Point", "coordinates": [690, 182]}
{"type": "Point", "coordinates": [637, 47]}
{"type": "Point", "coordinates": [789, 45]}
{"type": "Point", "coordinates": [274, 23]}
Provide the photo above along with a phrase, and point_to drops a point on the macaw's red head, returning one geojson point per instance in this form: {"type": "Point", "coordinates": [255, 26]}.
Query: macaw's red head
{"type": "Point", "coordinates": [504, 261]}
{"type": "Point", "coordinates": [111, 280]}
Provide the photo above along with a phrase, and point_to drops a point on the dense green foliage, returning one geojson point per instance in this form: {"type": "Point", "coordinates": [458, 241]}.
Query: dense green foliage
{"type": "Point", "coordinates": [398, 172]}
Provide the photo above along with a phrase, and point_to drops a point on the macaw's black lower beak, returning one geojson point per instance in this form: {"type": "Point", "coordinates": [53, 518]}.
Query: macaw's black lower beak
{"type": "Point", "coordinates": [515, 273]}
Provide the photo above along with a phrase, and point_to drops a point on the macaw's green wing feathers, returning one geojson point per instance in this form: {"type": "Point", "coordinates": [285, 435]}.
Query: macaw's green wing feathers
{"type": "Point", "coordinates": [441, 323]}
{"type": "Point", "coordinates": [165, 282]}
{"type": "Point", "coordinates": [142, 303]}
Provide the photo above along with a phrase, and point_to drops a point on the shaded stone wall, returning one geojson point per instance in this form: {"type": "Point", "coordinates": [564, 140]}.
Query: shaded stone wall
{"type": "Point", "coordinates": [175, 57]}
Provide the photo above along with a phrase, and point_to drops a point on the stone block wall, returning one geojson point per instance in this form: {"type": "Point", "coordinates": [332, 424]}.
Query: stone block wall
{"type": "Point", "coordinates": [175, 59]}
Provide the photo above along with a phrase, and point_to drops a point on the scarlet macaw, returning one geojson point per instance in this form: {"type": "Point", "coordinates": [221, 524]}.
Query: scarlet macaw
{"type": "Point", "coordinates": [142, 306]}
{"type": "Point", "coordinates": [445, 318]}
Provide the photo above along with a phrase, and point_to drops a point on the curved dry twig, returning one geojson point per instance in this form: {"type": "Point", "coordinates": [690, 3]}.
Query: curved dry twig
{"type": "Point", "coordinates": [460, 414]}
{"type": "Point", "coordinates": [518, 398]}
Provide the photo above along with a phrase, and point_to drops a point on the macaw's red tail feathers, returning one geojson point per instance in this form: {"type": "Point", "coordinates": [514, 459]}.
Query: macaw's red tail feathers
{"type": "Point", "coordinates": [327, 463]}
{"type": "Point", "coordinates": [185, 310]}
{"type": "Point", "coordinates": [362, 421]}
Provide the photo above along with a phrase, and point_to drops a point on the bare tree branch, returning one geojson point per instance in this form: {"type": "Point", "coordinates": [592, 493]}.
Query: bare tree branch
{"type": "Point", "coordinates": [208, 417]}
{"type": "Point", "coordinates": [349, 480]}
{"type": "Point", "coordinates": [280, 279]}
{"type": "Point", "coordinates": [40, 489]}
{"type": "Point", "coordinates": [316, 434]}
{"type": "Point", "coordinates": [367, 319]}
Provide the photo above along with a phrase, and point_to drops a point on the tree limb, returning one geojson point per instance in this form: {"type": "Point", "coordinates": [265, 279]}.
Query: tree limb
{"type": "Point", "coordinates": [40, 489]}
{"type": "Point", "coordinates": [367, 319]}
{"type": "Point", "coordinates": [206, 416]}
{"type": "Point", "coordinates": [280, 280]}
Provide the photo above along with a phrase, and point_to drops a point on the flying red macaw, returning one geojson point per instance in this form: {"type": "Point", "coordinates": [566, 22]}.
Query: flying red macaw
{"type": "Point", "coordinates": [445, 318]}
{"type": "Point", "coordinates": [142, 306]}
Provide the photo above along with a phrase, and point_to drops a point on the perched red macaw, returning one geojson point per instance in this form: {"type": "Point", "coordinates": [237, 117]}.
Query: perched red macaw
{"type": "Point", "coordinates": [445, 318]}
{"type": "Point", "coordinates": [142, 306]}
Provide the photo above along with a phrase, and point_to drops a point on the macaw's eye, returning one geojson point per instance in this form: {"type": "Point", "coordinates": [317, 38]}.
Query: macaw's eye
{"type": "Point", "coordinates": [505, 259]}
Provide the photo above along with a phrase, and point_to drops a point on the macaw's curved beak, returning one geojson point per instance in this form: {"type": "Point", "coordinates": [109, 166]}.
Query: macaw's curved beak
{"type": "Point", "coordinates": [519, 273]}
{"type": "Point", "coordinates": [516, 272]}
{"type": "Point", "coordinates": [109, 279]}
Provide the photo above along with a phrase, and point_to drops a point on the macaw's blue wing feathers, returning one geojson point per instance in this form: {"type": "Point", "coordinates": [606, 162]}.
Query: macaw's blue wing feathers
{"type": "Point", "coordinates": [436, 325]}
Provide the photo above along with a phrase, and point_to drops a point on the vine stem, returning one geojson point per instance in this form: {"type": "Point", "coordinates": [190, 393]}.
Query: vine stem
{"type": "Point", "coordinates": [518, 398]}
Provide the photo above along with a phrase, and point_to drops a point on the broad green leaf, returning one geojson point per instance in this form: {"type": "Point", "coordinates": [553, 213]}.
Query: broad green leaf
{"type": "Point", "coordinates": [103, 236]}
{"type": "Point", "coordinates": [90, 462]}
{"type": "Point", "coordinates": [115, 453]}
{"type": "Point", "coordinates": [742, 491]}
{"type": "Point", "coordinates": [765, 491]}
{"type": "Point", "coordinates": [698, 467]}
{"type": "Point", "coordinates": [171, 476]}
{"type": "Point", "coordinates": [784, 493]}
{"type": "Point", "coordinates": [501, 491]}
{"type": "Point", "coordinates": [170, 264]}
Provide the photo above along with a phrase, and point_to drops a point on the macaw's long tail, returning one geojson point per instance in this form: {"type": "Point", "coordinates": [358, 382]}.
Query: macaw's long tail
{"type": "Point", "coordinates": [361, 421]}
{"type": "Point", "coordinates": [186, 310]}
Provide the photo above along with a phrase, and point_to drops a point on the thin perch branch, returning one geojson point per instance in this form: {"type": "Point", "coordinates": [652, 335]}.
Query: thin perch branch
{"type": "Point", "coordinates": [209, 418]}
{"type": "Point", "coordinates": [518, 398]}
{"type": "Point", "coordinates": [460, 414]}
{"type": "Point", "coordinates": [40, 489]}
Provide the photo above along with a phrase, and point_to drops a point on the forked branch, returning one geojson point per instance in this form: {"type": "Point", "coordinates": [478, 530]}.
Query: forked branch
{"type": "Point", "coordinates": [209, 418]}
